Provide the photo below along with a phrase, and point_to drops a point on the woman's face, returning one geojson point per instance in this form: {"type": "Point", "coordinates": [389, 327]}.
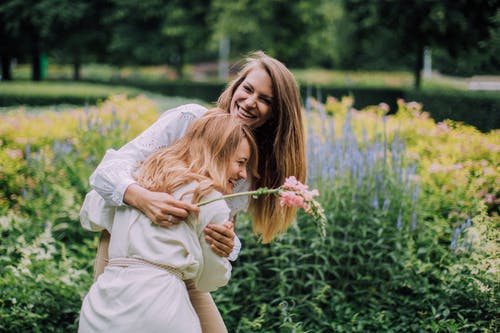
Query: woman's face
{"type": "Point", "coordinates": [251, 102]}
{"type": "Point", "coordinates": [237, 168]}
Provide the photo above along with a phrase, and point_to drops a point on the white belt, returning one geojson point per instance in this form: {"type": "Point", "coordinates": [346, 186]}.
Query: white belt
{"type": "Point", "coordinates": [126, 262]}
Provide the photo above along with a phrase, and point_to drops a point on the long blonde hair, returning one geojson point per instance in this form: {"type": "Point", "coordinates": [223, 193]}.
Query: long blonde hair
{"type": "Point", "coordinates": [201, 155]}
{"type": "Point", "coordinates": [281, 143]}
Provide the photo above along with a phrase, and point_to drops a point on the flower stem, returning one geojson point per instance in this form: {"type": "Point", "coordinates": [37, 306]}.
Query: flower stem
{"type": "Point", "coordinates": [255, 193]}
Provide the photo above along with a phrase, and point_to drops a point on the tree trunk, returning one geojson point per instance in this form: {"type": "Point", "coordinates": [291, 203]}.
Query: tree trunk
{"type": "Point", "coordinates": [36, 74]}
{"type": "Point", "coordinates": [6, 69]}
{"type": "Point", "coordinates": [419, 63]}
{"type": "Point", "coordinates": [180, 63]}
{"type": "Point", "coordinates": [76, 68]}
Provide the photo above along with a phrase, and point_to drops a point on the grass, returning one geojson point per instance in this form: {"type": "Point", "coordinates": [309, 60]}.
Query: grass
{"type": "Point", "coordinates": [312, 76]}
{"type": "Point", "coordinates": [98, 72]}
{"type": "Point", "coordinates": [58, 89]}
{"type": "Point", "coordinates": [51, 88]}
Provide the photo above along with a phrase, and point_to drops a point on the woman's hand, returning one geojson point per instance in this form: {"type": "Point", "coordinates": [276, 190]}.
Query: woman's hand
{"type": "Point", "coordinates": [161, 208]}
{"type": "Point", "coordinates": [221, 238]}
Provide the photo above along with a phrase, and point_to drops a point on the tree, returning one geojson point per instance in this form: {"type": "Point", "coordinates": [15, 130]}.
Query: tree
{"type": "Point", "coordinates": [157, 32]}
{"type": "Point", "coordinates": [78, 33]}
{"type": "Point", "coordinates": [454, 25]}
{"type": "Point", "coordinates": [298, 32]}
{"type": "Point", "coordinates": [47, 25]}
{"type": "Point", "coordinates": [25, 22]}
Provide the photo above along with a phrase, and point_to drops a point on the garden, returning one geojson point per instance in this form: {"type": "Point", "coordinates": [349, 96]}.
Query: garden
{"type": "Point", "coordinates": [411, 241]}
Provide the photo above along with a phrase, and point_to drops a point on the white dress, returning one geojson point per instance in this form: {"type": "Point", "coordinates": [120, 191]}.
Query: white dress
{"type": "Point", "coordinates": [114, 174]}
{"type": "Point", "coordinates": [135, 294]}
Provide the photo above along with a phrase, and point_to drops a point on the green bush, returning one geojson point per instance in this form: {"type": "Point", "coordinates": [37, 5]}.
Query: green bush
{"type": "Point", "coordinates": [390, 262]}
{"type": "Point", "coordinates": [480, 109]}
{"type": "Point", "coordinates": [58, 92]}
{"type": "Point", "coordinates": [42, 282]}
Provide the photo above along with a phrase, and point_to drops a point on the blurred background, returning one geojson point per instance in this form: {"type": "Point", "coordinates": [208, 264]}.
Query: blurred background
{"type": "Point", "coordinates": [374, 50]}
{"type": "Point", "coordinates": [402, 109]}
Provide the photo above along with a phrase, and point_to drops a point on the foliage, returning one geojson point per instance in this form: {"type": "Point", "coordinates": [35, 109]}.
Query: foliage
{"type": "Point", "coordinates": [396, 30]}
{"type": "Point", "coordinates": [46, 256]}
{"type": "Point", "coordinates": [411, 246]}
{"type": "Point", "coordinates": [391, 264]}
{"type": "Point", "coordinates": [51, 24]}
{"type": "Point", "coordinates": [42, 280]}
{"type": "Point", "coordinates": [346, 34]}
{"type": "Point", "coordinates": [157, 32]}
{"type": "Point", "coordinates": [477, 108]}
{"type": "Point", "coordinates": [46, 93]}
{"type": "Point", "coordinates": [304, 25]}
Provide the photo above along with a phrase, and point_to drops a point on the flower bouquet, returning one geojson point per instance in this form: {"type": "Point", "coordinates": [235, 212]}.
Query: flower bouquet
{"type": "Point", "coordinates": [292, 194]}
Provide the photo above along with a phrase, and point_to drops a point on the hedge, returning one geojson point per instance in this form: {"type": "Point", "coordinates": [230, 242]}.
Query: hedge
{"type": "Point", "coordinates": [480, 109]}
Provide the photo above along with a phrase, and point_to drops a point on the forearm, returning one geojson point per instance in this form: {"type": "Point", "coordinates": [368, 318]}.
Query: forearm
{"type": "Point", "coordinates": [113, 176]}
{"type": "Point", "coordinates": [134, 195]}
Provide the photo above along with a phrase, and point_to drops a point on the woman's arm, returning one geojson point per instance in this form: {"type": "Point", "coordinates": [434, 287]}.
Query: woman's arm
{"type": "Point", "coordinates": [222, 239]}
{"type": "Point", "coordinates": [95, 214]}
{"type": "Point", "coordinates": [113, 179]}
{"type": "Point", "coordinates": [113, 175]}
{"type": "Point", "coordinates": [160, 207]}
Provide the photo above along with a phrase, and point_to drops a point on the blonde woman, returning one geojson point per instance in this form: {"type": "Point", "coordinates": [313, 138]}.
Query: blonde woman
{"type": "Point", "coordinates": [265, 96]}
{"type": "Point", "coordinates": [142, 289]}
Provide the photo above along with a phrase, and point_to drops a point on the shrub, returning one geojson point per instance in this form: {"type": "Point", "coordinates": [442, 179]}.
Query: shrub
{"type": "Point", "coordinates": [411, 241]}
{"type": "Point", "coordinates": [386, 264]}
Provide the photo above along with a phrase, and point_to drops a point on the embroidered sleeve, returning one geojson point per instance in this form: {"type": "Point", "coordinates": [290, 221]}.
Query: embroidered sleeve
{"type": "Point", "coordinates": [114, 174]}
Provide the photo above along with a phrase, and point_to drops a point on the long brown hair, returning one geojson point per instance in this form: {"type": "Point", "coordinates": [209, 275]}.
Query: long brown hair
{"type": "Point", "coordinates": [201, 155]}
{"type": "Point", "coordinates": [281, 143]}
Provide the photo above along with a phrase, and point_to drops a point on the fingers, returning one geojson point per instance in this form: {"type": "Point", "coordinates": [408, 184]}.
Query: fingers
{"type": "Point", "coordinates": [168, 221]}
{"type": "Point", "coordinates": [165, 210]}
{"type": "Point", "coordinates": [219, 252]}
{"type": "Point", "coordinates": [219, 248]}
{"type": "Point", "coordinates": [220, 238]}
{"type": "Point", "coordinates": [185, 207]}
{"type": "Point", "coordinates": [229, 225]}
{"type": "Point", "coordinates": [221, 232]}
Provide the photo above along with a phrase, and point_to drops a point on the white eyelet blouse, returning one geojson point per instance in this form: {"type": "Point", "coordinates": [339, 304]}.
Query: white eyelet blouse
{"type": "Point", "coordinates": [114, 174]}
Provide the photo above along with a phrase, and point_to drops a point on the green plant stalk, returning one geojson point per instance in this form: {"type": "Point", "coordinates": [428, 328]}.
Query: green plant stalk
{"type": "Point", "coordinates": [254, 194]}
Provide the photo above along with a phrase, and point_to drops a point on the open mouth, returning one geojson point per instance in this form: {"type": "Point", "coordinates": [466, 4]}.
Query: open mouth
{"type": "Point", "coordinates": [231, 183]}
{"type": "Point", "coordinates": [244, 113]}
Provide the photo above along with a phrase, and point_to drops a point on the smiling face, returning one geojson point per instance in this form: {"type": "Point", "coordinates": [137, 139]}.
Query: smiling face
{"type": "Point", "coordinates": [237, 168]}
{"type": "Point", "coordinates": [252, 100]}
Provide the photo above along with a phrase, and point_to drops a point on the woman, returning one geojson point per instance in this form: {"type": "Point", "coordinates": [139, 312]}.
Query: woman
{"type": "Point", "coordinates": [142, 289]}
{"type": "Point", "coordinates": [264, 96]}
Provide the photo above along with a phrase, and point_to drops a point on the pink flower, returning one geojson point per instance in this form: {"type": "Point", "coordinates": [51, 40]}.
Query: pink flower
{"type": "Point", "coordinates": [291, 199]}
{"type": "Point", "coordinates": [296, 194]}
{"type": "Point", "coordinates": [291, 194]}
{"type": "Point", "coordinates": [292, 184]}
{"type": "Point", "coordinates": [384, 106]}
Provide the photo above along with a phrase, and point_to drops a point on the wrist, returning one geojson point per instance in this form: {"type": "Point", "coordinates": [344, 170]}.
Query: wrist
{"type": "Point", "coordinates": [133, 195]}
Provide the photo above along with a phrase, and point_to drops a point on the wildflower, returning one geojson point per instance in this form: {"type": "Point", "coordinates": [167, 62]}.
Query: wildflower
{"type": "Point", "coordinates": [385, 107]}
{"type": "Point", "coordinates": [292, 194]}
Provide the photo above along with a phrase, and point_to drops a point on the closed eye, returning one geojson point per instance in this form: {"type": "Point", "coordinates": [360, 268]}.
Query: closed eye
{"type": "Point", "coordinates": [266, 100]}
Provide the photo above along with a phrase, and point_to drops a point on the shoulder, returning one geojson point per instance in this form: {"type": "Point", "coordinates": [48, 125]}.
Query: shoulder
{"type": "Point", "coordinates": [187, 112]}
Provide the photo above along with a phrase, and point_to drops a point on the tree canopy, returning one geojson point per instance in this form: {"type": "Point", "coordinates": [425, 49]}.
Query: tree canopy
{"type": "Point", "coordinates": [342, 34]}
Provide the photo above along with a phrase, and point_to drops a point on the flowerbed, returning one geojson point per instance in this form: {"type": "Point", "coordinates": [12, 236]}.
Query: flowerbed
{"type": "Point", "coordinates": [411, 239]}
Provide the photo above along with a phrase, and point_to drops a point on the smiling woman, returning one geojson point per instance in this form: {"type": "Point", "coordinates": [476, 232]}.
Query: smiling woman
{"type": "Point", "coordinates": [252, 100]}
{"type": "Point", "coordinates": [264, 96]}
{"type": "Point", "coordinates": [144, 288]}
